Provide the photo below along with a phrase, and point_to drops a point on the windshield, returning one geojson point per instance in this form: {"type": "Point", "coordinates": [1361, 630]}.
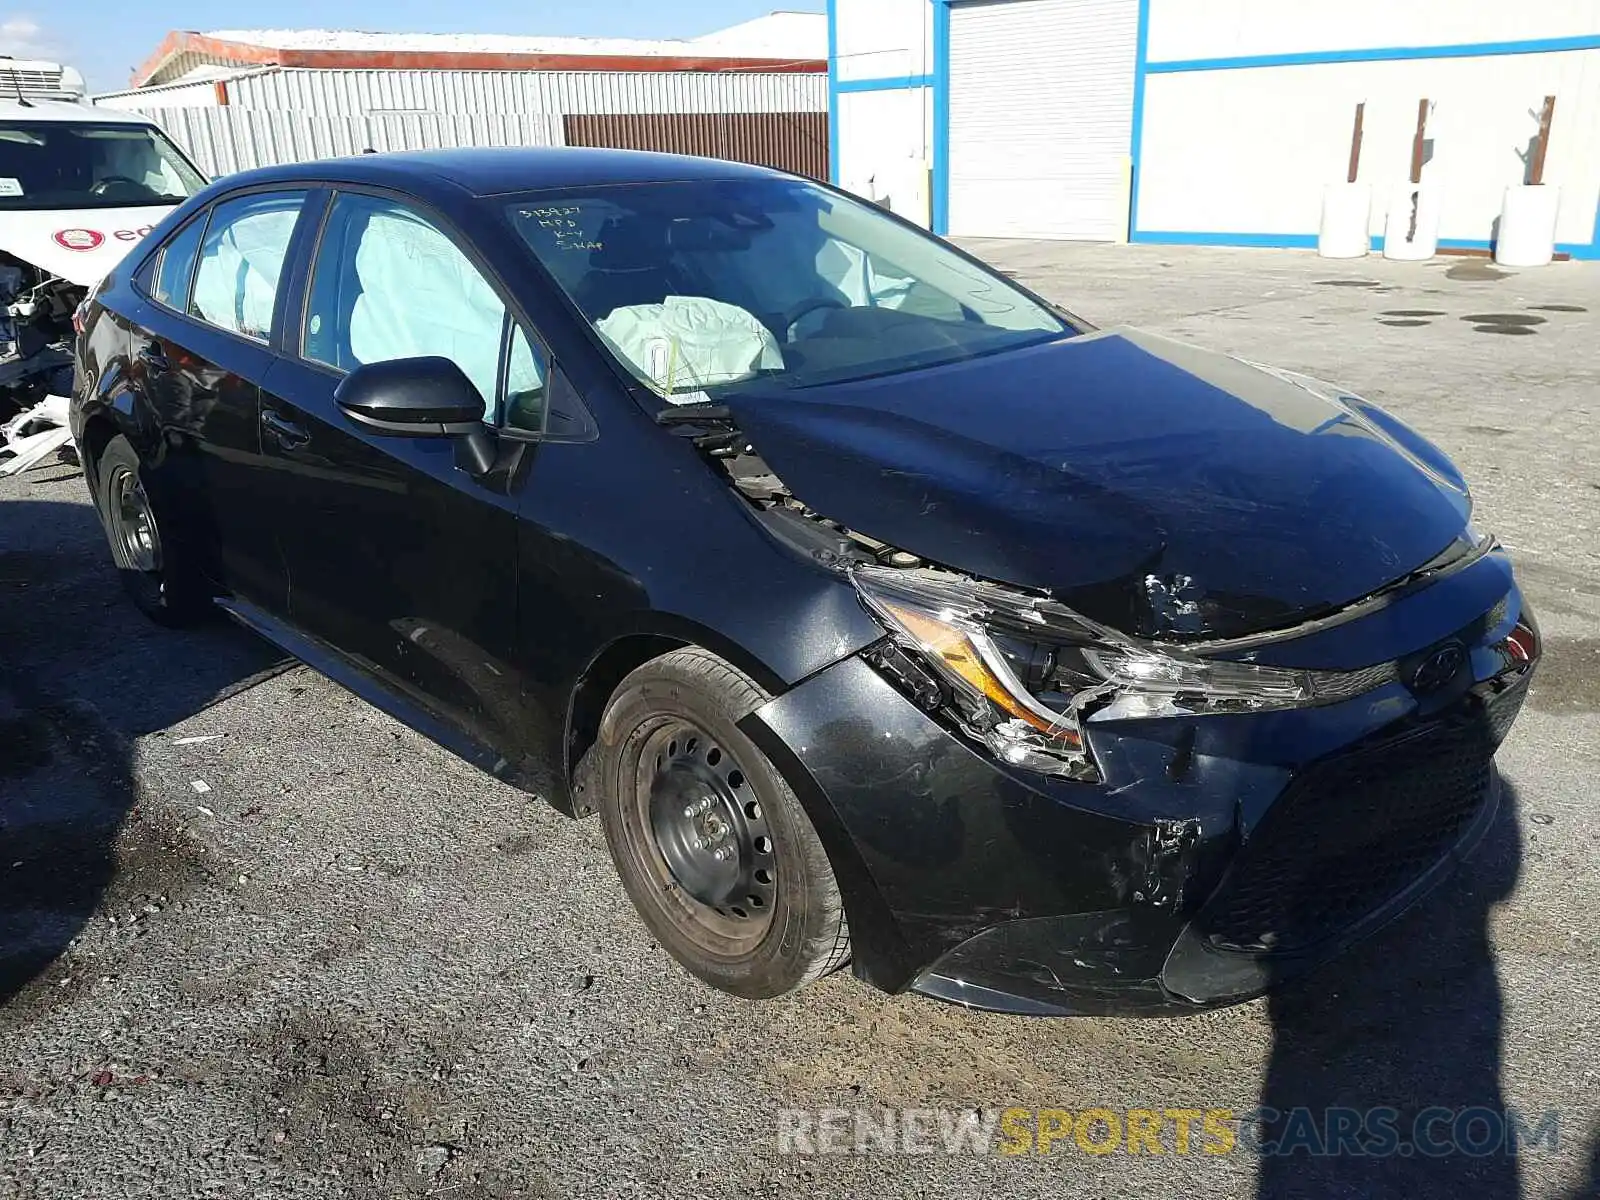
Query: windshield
{"type": "Point", "coordinates": [702, 288]}
{"type": "Point", "coordinates": [60, 164]}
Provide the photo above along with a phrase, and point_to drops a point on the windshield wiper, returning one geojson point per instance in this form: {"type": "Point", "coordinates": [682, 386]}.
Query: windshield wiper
{"type": "Point", "coordinates": [695, 414]}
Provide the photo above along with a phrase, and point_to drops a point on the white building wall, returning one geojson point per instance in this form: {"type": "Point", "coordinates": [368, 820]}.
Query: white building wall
{"type": "Point", "coordinates": [1265, 140]}
{"type": "Point", "coordinates": [884, 39]}
{"type": "Point", "coordinates": [885, 157]}
{"type": "Point", "coordinates": [1242, 152]}
{"type": "Point", "coordinates": [1249, 151]}
{"type": "Point", "coordinates": [1189, 29]}
{"type": "Point", "coordinates": [884, 136]}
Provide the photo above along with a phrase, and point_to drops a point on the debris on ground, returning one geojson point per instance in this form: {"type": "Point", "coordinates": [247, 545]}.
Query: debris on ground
{"type": "Point", "coordinates": [34, 435]}
{"type": "Point", "coordinates": [433, 1159]}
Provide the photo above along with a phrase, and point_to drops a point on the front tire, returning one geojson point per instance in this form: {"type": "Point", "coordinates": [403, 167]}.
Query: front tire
{"type": "Point", "coordinates": [151, 563]}
{"type": "Point", "coordinates": [711, 843]}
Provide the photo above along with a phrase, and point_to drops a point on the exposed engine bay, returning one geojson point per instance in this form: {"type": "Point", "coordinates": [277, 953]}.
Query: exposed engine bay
{"type": "Point", "coordinates": [831, 543]}
{"type": "Point", "coordinates": [36, 310]}
{"type": "Point", "coordinates": [35, 334]}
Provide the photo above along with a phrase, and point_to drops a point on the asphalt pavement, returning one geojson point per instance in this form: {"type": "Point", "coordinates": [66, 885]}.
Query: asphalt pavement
{"type": "Point", "coordinates": [259, 940]}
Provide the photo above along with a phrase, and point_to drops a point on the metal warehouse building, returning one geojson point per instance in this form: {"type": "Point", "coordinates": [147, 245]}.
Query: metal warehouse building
{"type": "Point", "coordinates": [242, 98]}
{"type": "Point", "coordinates": [1211, 122]}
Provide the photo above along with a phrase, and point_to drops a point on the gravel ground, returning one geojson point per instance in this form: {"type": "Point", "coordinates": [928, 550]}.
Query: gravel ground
{"type": "Point", "coordinates": [257, 939]}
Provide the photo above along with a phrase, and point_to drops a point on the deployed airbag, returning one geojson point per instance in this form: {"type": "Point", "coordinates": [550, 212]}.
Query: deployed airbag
{"type": "Point", "coordinates": [237, 280]}
{"type": "Point", "coordinates": [855, 274]}
{"type": "Point", "coordinates": [690, 343]}
{"type": "Point", "coordinates": [421, 296]}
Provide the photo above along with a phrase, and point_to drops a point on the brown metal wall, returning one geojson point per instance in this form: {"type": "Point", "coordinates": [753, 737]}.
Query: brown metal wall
{"type": "Point", "coordinates": [795, 141]}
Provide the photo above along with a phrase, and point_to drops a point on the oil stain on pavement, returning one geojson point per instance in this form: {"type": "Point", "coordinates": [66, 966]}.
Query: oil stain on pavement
{"type": "Point", "coordinates": [1479, 271]}
{"type": "Point", "coordinates": [1408, 318]}
{"type": "Point", "coordinates": [1512, 324]}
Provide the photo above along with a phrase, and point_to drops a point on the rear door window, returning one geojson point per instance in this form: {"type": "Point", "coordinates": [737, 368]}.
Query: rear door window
{"type": "Point", "coordinates": [241, 259]}
{"type": "Point", "coordinates": [175, 268]}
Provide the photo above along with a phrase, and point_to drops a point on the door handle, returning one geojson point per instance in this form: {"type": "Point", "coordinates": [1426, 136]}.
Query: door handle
{"type": "Point", "coordinates": [154, 358]}
{"type": "Point", "coordinates": [286, 433]}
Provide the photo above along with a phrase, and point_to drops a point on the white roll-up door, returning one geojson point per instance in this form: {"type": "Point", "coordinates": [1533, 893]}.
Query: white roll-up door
{"type": "Point", "coordinates": [1041, 116]}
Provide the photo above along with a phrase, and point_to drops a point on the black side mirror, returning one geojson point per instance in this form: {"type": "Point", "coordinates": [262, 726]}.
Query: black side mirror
{"type": "Point", "coordinates": [411, 397]}
{"type": "Point", "coordinates": [420, 397]}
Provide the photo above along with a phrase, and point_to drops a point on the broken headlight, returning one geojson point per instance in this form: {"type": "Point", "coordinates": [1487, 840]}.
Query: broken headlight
{"type": "Point", "coordinates": [1022, 674]}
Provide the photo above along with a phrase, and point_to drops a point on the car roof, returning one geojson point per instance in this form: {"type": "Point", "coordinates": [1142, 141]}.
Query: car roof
{"type": "Point", "coordinates": [44, 108]}
{"type": "Point", "coordinates": [486, 171]}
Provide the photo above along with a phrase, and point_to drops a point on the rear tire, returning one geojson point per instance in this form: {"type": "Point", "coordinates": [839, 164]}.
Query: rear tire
{"type": "Point", "coordinates": [151, 562]}
{"type": "Point", "coordinates": [711, 843]}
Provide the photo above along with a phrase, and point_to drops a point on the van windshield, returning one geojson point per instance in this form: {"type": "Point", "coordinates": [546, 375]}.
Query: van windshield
{"type": "Point", "coordinates": [71, 164]}
{"type": "Point", "coordinates": [703, 287]}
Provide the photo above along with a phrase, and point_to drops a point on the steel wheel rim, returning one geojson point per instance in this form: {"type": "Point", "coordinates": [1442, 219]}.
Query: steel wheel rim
{"type": "Point", "coordinates": [134, 522]}
{"type": "Point", "coordinates": [693, 801]}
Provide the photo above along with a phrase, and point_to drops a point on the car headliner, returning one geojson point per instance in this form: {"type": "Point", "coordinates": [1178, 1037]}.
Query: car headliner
{"type": "Point", "coordinates": [502, 170]}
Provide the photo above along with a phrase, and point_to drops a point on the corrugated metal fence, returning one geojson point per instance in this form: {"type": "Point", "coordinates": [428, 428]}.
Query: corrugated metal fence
{"type": "Point", "coordinates": [560, 92]}
{"type": "Point", "coordinates": [225, 140]}
{"type": "Point", "coordinates": [278, 116]}
{"type": "Point", "coordinates": [795, 142]}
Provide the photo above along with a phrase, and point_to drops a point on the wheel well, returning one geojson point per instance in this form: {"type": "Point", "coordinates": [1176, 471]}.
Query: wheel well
{"type": "Point", "coordinates": [97, 434]}
{"type": "Point", "coordinates": [594, 690]}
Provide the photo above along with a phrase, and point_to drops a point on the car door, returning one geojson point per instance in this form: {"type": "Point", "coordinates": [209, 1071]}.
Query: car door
{"type": "Point", "coordinates": [201, 347]}
{"type": "Point", "coordinates": [397, 556]}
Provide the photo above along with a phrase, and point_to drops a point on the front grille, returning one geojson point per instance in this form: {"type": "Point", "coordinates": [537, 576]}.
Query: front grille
{"type": "Point", "coordinates": [1352, 832]}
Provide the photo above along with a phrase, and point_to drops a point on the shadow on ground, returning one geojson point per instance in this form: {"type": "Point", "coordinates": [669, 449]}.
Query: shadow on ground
{"type": "Point", "coordinates": [1409, 1022]}
{"type": "Point", "coordinates": [81, 675]}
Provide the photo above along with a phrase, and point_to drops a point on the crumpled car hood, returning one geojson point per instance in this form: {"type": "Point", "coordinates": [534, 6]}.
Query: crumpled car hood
{"type": "Point", "coordinates": [1164, 490]}
{"type": "Point", "coordinates": [80, 245]}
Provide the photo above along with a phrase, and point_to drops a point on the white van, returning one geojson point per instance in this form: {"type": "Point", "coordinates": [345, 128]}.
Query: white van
{"type": "Point", "coordinates": [79, 186]}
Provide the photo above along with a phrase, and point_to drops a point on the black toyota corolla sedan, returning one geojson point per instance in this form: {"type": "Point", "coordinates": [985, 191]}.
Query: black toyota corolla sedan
{"type": "Point", "coordinates": [885, 613]}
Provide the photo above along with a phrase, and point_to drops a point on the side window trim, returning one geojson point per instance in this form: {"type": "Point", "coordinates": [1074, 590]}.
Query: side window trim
{"type": "Point", "coordinates": [295, 283]}
{"type": "Point", "coordinates": [502, 380]}
{"type": "Point", "coordinates": [541, 352]}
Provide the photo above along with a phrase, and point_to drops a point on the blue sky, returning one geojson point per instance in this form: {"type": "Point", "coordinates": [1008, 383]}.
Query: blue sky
{"type": "Point", "coordinates": [106, 39]}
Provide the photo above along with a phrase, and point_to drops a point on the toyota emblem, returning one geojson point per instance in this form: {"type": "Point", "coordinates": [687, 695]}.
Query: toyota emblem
{"type": "Point", "coordinates": [1438, 669]}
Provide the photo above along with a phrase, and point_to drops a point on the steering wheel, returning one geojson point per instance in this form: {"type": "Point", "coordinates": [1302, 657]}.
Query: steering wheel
{"type": "Point", "coordinates": [104, 185]}
{"type": "Point", "coordinates": [804, 309]}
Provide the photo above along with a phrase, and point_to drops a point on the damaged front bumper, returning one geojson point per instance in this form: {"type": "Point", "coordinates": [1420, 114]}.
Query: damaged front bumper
{"type": "Point", "coordinates": [1219, 855]}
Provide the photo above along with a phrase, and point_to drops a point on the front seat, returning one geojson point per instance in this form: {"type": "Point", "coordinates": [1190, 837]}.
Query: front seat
{"type": "Point", "coordinates": [632, 266]}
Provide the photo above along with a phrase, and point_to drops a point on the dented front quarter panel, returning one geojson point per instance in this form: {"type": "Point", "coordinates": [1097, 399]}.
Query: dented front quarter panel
{"type": "Point", "coordinates": [951, 844]}
{"type": "Point", "coordinates": [996, 887]}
